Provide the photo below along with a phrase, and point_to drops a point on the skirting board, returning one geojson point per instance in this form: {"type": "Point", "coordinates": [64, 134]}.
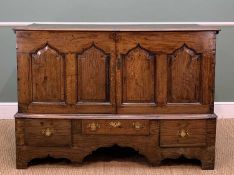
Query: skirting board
{"type": "Point", "coordinates": [222, 109]}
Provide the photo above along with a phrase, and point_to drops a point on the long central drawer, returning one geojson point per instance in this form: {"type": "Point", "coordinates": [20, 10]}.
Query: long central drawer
{"type": "Point", "coordinates": [115, 127]}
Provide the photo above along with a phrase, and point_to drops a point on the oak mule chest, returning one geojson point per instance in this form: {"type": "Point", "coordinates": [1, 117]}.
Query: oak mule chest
{"type": "Point", "coordinates": [83, 87]}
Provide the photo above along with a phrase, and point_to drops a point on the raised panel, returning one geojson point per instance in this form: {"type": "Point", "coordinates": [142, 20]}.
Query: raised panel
{"type": "Point", "coordinates": [93, 66]}
{"type": "Point", "coordinates": [48, 76]}
{"type": "Point", "coordinates": [184, 76]}
{"type": "Point", "coordinates": [138, 76]}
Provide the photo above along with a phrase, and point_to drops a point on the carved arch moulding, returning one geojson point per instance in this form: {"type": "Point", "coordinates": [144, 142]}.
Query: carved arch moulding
{"type": "Point", "coordinates": [93, 70]}
{"type": "Point", "coordinates": [48, 74]}
{"type": "Point", "coordinates": [184, 75]}
{"type": "Point", "coordinates": [138, 66]}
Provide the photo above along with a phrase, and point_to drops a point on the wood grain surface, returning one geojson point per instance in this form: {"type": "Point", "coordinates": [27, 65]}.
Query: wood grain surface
{"type": "Point", "coordinates": [150, 89]}
{"type": "Point", "coordinates": [118, 165]}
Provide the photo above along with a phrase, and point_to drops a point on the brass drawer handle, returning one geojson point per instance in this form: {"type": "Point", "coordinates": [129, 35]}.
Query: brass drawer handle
{"type": "Point", "coordinates": [93, 126]}
{"type": "Point", "coordinates": [183, 133]}
{"type": "Point", "coordinates": [115, 124]}
{"type": "Point", "coordinates": [47, 132]}
{"type": "Point", "coordinates": [137, 125]}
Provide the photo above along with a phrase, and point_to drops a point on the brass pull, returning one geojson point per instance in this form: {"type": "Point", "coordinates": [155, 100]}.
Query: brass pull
{"type": "Point", "coordinates": [137, 125]}
{"type": "Point", "coordinates": [47, 132]}
{"type": "Point", "coordinates": [93, 126]}
{"type": "Point", "coordinates": [183, 133]}
{"type": "Point", "coordinates": [115, 124]}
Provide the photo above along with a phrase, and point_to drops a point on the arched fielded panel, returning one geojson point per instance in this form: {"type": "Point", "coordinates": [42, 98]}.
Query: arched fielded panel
{"type": "Point", "coordinates": [184, 76]}
{"type": "Point", "coordinates": [138, 76]}
{"type": "Point", "coordinates": [47, 75]}
{"type": "Point", "coordinates": [93, 75]}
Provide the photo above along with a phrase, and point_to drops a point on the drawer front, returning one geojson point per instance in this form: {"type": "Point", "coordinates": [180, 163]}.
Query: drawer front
{"type": "Point", "coordinates": [47, 132]}
{"type": "Point", "coordinates": [116, 127]}
{"type": "Point", "coordinates": [177, 133]}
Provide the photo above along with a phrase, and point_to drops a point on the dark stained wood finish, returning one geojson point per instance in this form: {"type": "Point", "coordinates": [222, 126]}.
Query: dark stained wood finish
{"type": "Point", "coordinates": [146, 87]}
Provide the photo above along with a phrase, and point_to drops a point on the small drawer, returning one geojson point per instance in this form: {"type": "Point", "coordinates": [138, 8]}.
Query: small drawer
{"type": "Point", "coordinates": [182, 133]}
{"type": "Point", "coordinates": [47, 132]}
{"type": "Point", "coordinates": [116, 127]}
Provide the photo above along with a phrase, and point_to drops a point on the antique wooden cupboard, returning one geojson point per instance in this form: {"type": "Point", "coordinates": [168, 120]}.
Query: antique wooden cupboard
{"type": "Point", "coordinates": [148, 87]}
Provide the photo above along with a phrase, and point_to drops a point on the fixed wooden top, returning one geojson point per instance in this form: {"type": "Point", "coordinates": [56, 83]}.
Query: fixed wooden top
{"type": "Point", "coordinates": [117, 116]}
{"type": "Point", "coordinates": [116, 27]}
